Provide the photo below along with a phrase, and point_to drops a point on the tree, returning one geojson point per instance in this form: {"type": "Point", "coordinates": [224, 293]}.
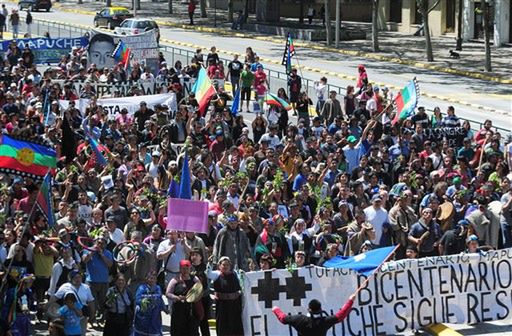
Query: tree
{"type": "Point", "coordinates": [375, 25]}
{"type": "Point", "coordinates": [424, 10]}
{"type": "Point", "coordinates": [230, 10]}
{"type": "Point", "coordinates": [328, 28]}
{"type": "Point", "coordinates": [301, 11]}
{"type": "Point", "coordinates": [459, 25]}
{"type": "Point", "coordinates": [485, 26]}
{"type": "Point", "coordinates": [170, 7]}
{"type": "Point", "coordinates": [202, 4]}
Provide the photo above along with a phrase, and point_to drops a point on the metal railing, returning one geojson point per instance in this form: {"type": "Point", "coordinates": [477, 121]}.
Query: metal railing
{"type": "Point", "coordinates": [277, 79]}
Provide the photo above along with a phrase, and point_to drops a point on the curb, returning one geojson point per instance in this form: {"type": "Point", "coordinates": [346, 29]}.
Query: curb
{"type": "Point", "coordinates": [441, 330]}
{"type": "Point", "coordinates": [275, 62]}
{"type": "Point", "coordinates": [363, 54]}
{"type": "Point", "coordinates": [356, 53]}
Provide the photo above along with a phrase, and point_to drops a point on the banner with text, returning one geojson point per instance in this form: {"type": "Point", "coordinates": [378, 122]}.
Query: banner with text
{"type": "Point", "coordinates": [143, 46]}
{"type": "Point", "coordinates": [113, 106]}
{"type": "Point", "coordinates": [454, 135]}
{"type": "Point", "coordinates": [405, 294]}
{"type": "Point", "coordinates": [124, 88]}
{"type": "Point", "coordinates": [47, 50]}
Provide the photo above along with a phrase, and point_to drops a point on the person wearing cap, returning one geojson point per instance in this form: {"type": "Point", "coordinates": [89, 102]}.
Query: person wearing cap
{"type": "Point", "coordinates": [425, 234]}
{"type": "Point", "coordinates": [472, 244]}
{"type": "Point", "coordinates": [83, 296]}
{"type": "Point", "coordinates": [155, 168]}
{"type": "Point", "coordinates": [456, 186]}
{"type": "Point", "coordinates": [377, 215]}
{"type": "Point", "coordinates": [97, 265]}
{"type": "Point", "coordinates": [183, 318]}
{"type": "Point", "coordinates": [401, 218]}
{"type": "Point", "coordinates": [454, 241]}
{"type": "Point", "coordinates": [232, 241]}
{"type": "Point", "coordinates": [352, 153]}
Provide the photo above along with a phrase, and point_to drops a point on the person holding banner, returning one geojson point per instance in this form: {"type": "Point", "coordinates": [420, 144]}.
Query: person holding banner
{"type": "Point", "coordinates": [317, 322]}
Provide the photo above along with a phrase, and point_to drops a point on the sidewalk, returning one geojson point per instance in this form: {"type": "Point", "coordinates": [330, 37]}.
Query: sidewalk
{"type": "Point", "coordinates": [396, 47]}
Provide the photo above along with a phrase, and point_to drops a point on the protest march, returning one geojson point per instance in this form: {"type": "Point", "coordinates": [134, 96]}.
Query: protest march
{"type": "Point", "coordinates": [132, 188]}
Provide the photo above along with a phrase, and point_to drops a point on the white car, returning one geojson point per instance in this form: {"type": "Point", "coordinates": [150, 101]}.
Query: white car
{"type": "Point", "coordinates": [136, 26]}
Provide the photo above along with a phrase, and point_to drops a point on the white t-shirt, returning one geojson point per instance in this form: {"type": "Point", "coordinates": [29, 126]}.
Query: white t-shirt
{"type": "Point", "coordinates": [377, 218]}
{"type": "Point", "coordinates": [85, 212]}
{"type": "Point", "coordinates": [274, 141]}
{"type": "Point", "coordinates": [173, 261]}
{"type": "Point", "coordinates": [84, 292]}
{"type": "Point", "coordinates": [117, 236]}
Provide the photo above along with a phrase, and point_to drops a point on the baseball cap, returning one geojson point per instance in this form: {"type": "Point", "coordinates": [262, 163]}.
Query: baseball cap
{"type": "Point", "coordinates": [185, 263]}
{"type": "Point", "coordinates": [471, 238]}
{"type": "Point", "coordinates": [351, 139]}
{"type": "Point", "coordinates": [376, 197]}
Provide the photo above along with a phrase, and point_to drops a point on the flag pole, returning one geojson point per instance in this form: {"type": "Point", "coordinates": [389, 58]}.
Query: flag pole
{"type": "Point", "coordinates": [365, 282]}
{"type": "Point", "coordinates": [300, 69]}
{"type": "Point", "coordinates": [25, 227]}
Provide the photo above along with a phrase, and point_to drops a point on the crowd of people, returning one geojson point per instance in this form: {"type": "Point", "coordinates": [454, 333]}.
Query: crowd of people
{"type": "Point", "coordinates": [283, 191]}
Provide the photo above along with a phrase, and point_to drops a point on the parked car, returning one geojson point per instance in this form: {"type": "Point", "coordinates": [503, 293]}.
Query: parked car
{"type": "Point", "coordinates": [136, 26]}
{"type": "Point", "coordinates": [35, 5]}
{"type": "Point", "coordinates": [111, 17]}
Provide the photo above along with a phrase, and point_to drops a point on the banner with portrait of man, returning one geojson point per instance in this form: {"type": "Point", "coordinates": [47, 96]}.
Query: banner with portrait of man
{"type": "Point", "coordinates": [143, 46]}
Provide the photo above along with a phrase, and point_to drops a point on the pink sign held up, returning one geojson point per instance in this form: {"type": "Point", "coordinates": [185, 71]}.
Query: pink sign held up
{"type": "Point", "coordinates": [187, 215]}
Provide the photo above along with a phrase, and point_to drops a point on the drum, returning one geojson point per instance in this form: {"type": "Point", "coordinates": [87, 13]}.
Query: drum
{"type": "Point", "coordinates": [52, 311]}
{"type": "Point", "coordinates": [445, 215]}
{"type": "Point", "coordinates": [195, 293]}
{"type": "Point", "coordinates": [125, 252]}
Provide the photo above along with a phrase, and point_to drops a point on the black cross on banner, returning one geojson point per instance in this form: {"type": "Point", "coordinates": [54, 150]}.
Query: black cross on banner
{"type": "Point", "coordinates": [268, 289]}
{"type": "Point", "coordinates": [296, 288]}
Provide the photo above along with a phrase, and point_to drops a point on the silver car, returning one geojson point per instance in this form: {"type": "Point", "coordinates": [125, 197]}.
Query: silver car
{"type": "Point", "coordinates": [136, 26]}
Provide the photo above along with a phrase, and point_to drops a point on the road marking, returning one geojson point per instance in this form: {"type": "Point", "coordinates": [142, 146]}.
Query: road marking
{"type": "Point", "coordinates": [320, 71]}
{"type": "Point", "coordinates": [441, 330]}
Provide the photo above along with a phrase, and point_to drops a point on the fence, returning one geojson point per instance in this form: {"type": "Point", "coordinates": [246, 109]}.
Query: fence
{"type": "Point", "coordinates": [277, 79]}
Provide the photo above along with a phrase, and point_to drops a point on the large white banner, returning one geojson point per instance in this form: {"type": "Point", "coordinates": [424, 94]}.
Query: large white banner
{"type": "Point", "coordinates": [113, 106]}
{"type": "Point", "coordinates": [124, 88]}
{"type": "Point", "coordinates": [406, 294]}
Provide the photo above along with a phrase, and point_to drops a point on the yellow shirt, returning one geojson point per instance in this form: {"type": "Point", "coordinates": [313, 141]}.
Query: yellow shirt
{"type": "Point", "coordinates": [43, 264]}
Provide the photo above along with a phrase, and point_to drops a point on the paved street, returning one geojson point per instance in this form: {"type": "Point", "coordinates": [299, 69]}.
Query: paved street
{"type": "Point", "coordinates": [478, 95]}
